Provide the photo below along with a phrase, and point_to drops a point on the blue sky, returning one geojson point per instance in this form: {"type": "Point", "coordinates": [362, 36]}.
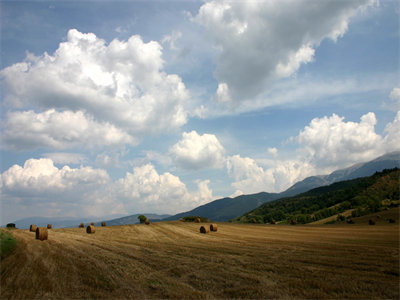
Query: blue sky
{"type": "Point", "coordinates": [123, 107]}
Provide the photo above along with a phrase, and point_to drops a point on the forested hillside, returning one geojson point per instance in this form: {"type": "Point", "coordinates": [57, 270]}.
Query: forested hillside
{"type": "Point", "coordinates": [363, 195]}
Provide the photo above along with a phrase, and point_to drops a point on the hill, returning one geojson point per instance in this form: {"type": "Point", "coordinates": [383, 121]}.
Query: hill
{"type": "Point", "coordinates": [228, 208]}
{"type": "Point", "coordinates": [172, 260]}
{"type": "Point", "coordinates": [363, 195]}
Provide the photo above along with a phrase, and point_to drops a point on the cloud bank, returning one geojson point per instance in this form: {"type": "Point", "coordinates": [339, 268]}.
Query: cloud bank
{"type": "Point", "coordinates": [117, 90]}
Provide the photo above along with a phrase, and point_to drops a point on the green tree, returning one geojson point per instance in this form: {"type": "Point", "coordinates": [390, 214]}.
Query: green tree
{"type": "Point", "coordinates": [142, 219]}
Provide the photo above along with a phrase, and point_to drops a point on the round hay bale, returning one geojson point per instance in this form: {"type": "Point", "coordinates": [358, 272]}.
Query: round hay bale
{"type": "Point", "coordinates": [90, 229]}
{"type": "Point", "coordinates": [92, 223]}
{"type": "Point", "coordinates": [197, 220]}
{"type": "Point", "coordinates": [49, 226]}
{"type": "Point", "coordinates": [204, 229]}
{"type": "Point", "coordinates": [213, 227]}
{"type": "Point", "coordinates": [103, 224]}
{"type": "Point", "coordinates": [147, 222]}
{"type": "Point", "coordinates": [41, 233]}
{"type": "Point", "coordinates": [371, 222]}
{"type": "Point", "coordinates": [33, 228]}
{"type": "Point", "coordinates": [81, 225]}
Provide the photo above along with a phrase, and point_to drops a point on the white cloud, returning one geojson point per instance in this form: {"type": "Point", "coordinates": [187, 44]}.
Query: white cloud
{"type": "Point", "coordinates": [146, 190]}
{"type": "Point", "coordinates": [325, 145]}
{"type": "Point", "coordinates": [196, 151]}
{"type": "Point", "coordinates": [60, 130]}
{"type": "Point", "coordinates": [40, 177]}
{"type": "Point", "coordinates": [171, 39]}
{"type": "Point", "coordinates": [261, 41]}
{"type": "Point", "coordinates": [394, 97]}
{"type": "Point", "coordinates": [40, 188]}
{"type": "Point", "coordinates": [121, 84]}
{"type": "Point", "coordinates": [64, 158]}
{"type": "Point", "coordinates": [250, 177]}
{"type": "Point", "coordinates": [330, 142]}
{"type": "Point", "coordinates": [273, 152]}
{"type": "Point", "coordinates": [395, 94]}
{"type": "Point", "coordinates": [392, 138]}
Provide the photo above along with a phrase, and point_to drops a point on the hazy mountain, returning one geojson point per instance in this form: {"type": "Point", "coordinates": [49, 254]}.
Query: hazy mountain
{"type": "Point", "coordinates": [228, 208]}
{"type": "Point", "coordinates": [116, 219]}
{"type": "Point", "coordinates": [387, 161]}
{"type": "Point", "coordinates": [133, 219]}
{"type": "Point", "coordinates": [59, 222]}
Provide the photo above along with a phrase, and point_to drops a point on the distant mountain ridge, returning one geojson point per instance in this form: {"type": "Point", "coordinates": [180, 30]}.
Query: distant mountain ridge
{"type": "Point", "coordinates": [74, 222]}
{"type": "Point", "coordinates": [228, 208]}
{"type": "Point", "coordinates": [363, 195]}
{"type": "Point", "coordinates": [133, 219]}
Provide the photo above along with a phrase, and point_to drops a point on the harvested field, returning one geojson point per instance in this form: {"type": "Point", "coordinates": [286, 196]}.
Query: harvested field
{"type": "Point", "coordinates": [174, 260]}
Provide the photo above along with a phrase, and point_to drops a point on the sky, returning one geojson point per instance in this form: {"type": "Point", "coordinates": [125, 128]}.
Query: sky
{"type": "Point", "coordinates": [125, 107]}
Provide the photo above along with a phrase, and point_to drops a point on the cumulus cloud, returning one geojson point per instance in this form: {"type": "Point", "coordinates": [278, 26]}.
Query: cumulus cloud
{"type": "Point", "coordinates": [392, 138]}
{"type": "Point", "coordinates": [145, 189]}
{"type": "Point", "coordinates": [262, 41]}
{"type": "Point", "coordinates": [121, 85]}
{"type": "Point", "coordinates": [325, 145]}
{"type": "Point", "coordinates": [60, 130]}
{"type": "Point", "coordinates": [40, 177]}
{"type": "Point", "coordinates": [250, 177]}
{"type": "Point", "coordinates": [330, 141]}
{"type": "Point", "coordinates": [196, 151]}
{"type": "Point", "coordinates": [40, 188]}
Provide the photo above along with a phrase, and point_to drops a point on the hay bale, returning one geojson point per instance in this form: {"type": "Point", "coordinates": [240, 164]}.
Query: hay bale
{"type": "Point", "coordinates": [204, 229]}
{"type": "Point", "coordinates": [92, 223]}
{"type": "Point", "coordinates": [293, 222]}
{"type": "Point", "coordinates": [41, 233]}
{"type": "Point", "coordinates": [81, 225]}
{"type": "Point", "coordinates": [197, 220]}
{"type": "Point", "coordinates": [147, 222]}
{"type": "Point", "coordinates": [371, 222]}
{"type": "Point", "coordinates": [103, 224]}
{"type": "Point", "coordinates": [33, 228]}
{"type": "Point", "coordinates": [49, 226]}
{"type": "Point", "coordinates": [213, 227]}
{"type": "Point", "coordinates": [90, 229]}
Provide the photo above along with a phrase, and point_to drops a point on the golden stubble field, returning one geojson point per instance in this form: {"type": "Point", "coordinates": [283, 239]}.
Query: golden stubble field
{"type": "Point", "coordinates": [173, 260]}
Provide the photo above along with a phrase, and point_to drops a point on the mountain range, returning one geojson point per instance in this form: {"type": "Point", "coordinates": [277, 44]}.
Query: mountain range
{"type": "Point", "coordinates": [228, 208]}
{"type": "Point", "coordinates": [74, 222]}
{"type": "Point", "coordinates": [360, 196]}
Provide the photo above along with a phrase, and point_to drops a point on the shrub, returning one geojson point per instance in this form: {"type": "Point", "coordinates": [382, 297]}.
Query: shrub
{"type": "Point", "coordinates": [10, 225]}
{"type": "Point", "coordinates": [142, 219]}
{"type": "Point", "coordinates": [193, 219]}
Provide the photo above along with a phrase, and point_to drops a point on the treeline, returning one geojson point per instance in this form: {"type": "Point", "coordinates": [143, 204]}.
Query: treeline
{"type": "Point", "coordinates": [364, 195]}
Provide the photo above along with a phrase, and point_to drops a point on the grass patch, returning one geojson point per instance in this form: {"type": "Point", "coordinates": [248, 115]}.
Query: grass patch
{"type": "Point", "coordinates": [7, 242]}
